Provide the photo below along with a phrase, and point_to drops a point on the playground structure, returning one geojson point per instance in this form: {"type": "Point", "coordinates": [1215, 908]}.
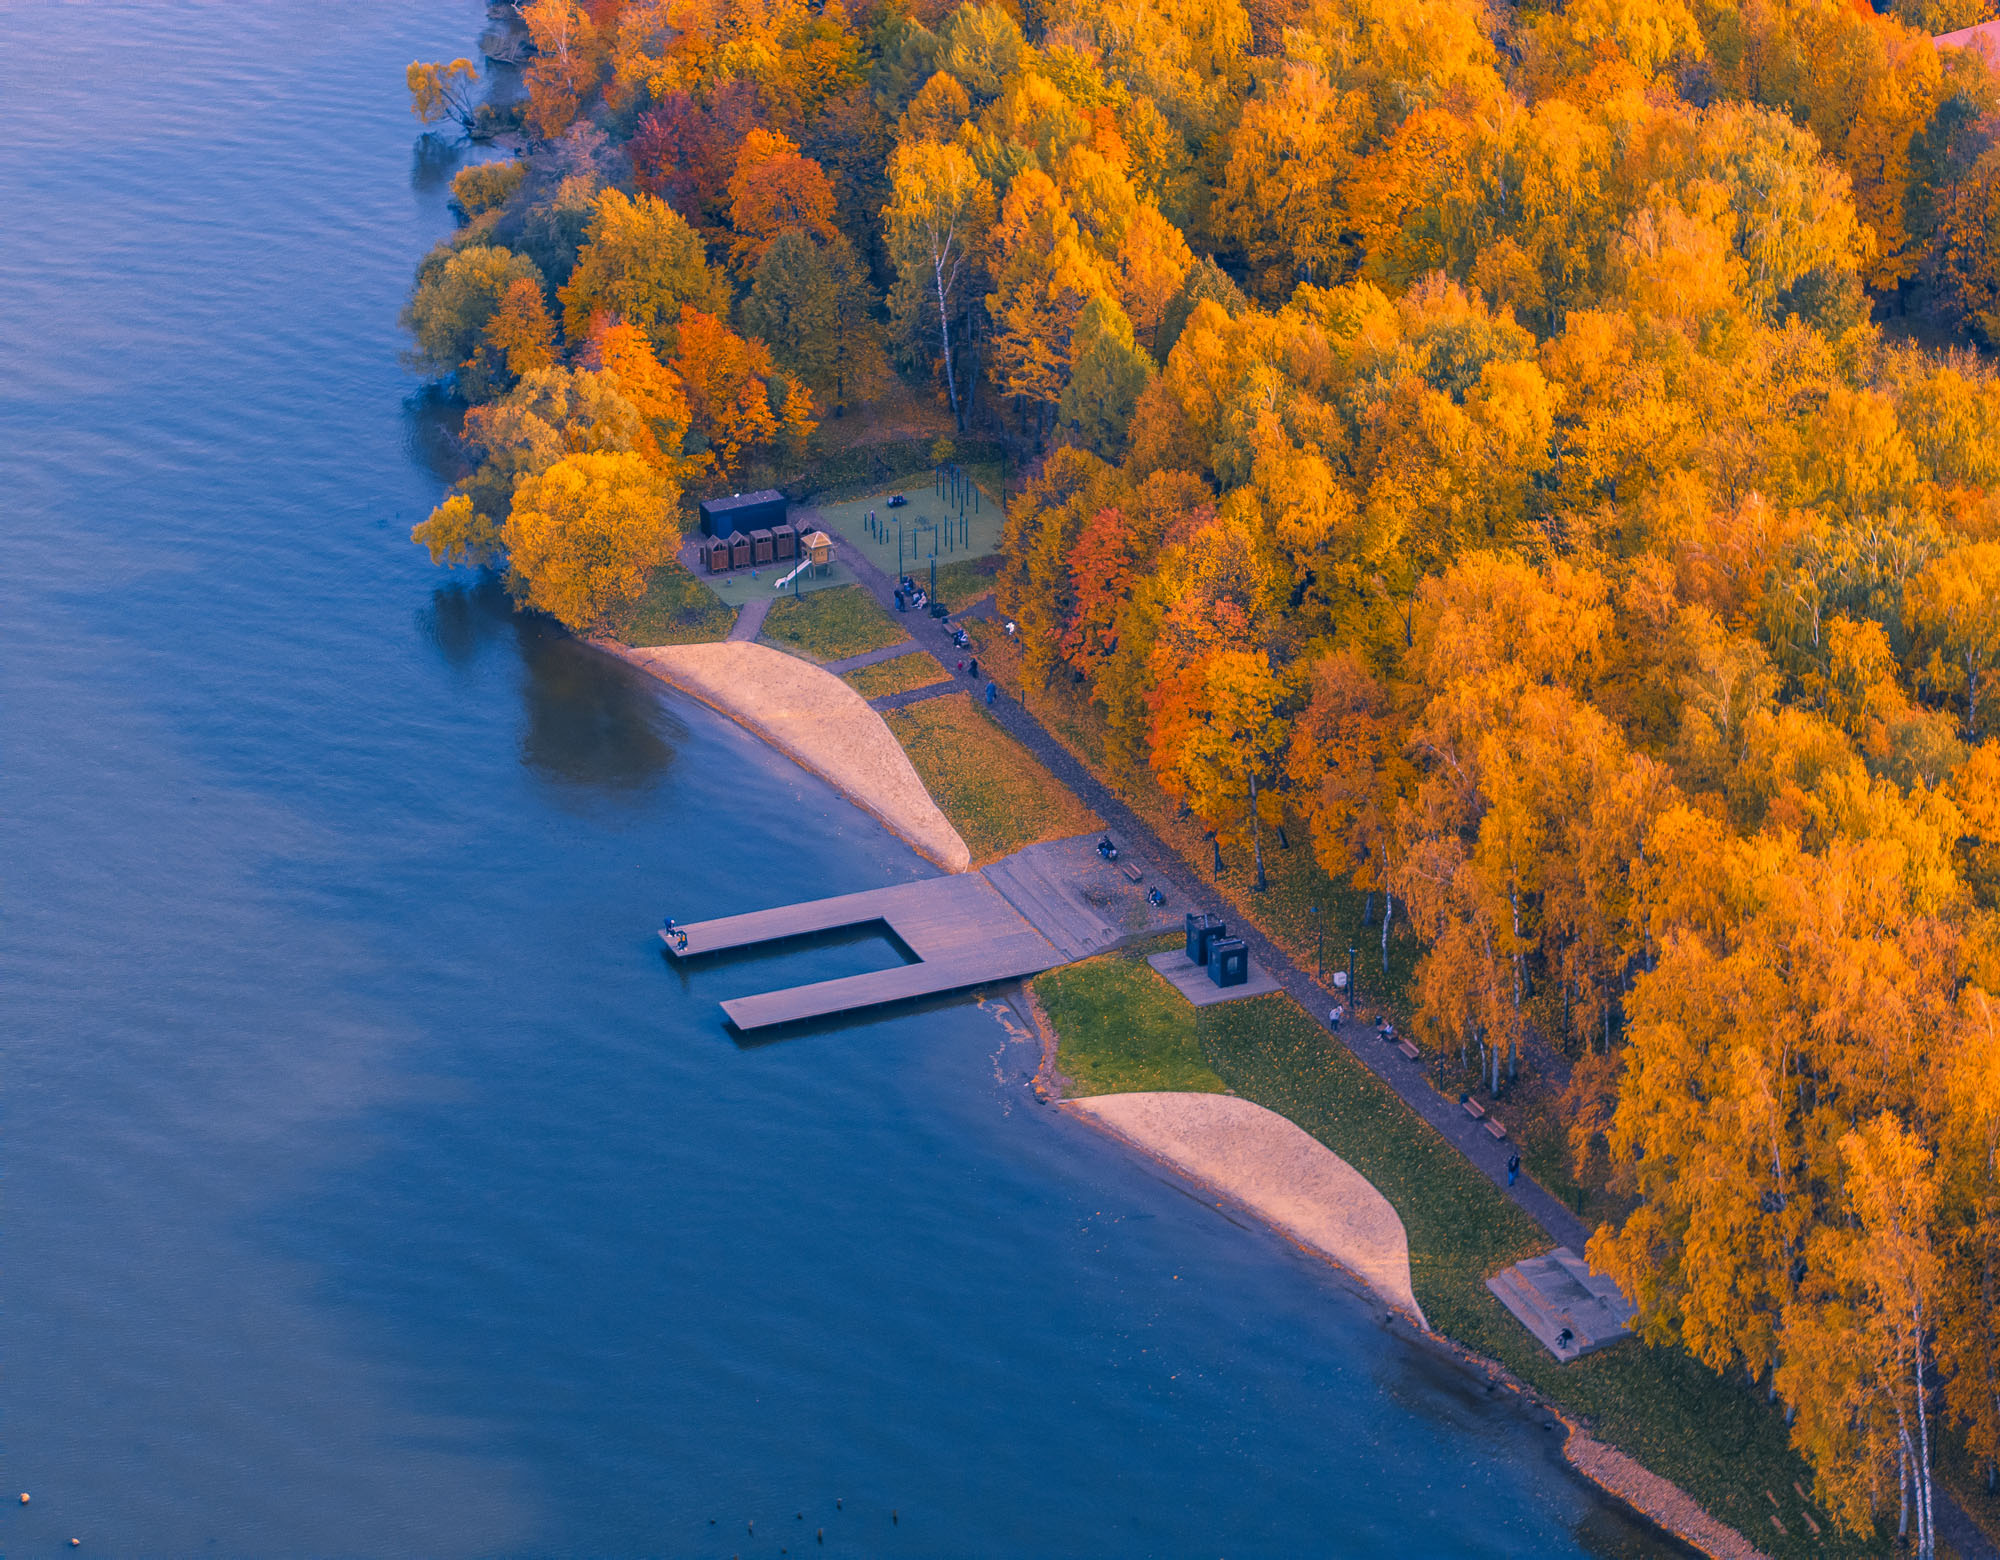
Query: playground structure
{"type": "Point", "coordinates": [815, 557]}
{"type": "Point", "coordinates": [742, 512]}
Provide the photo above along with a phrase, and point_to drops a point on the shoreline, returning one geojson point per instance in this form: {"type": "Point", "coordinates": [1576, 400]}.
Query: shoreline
{"type": "Point", "coordinates": [814, 719]}
{"type": "Point", "coordinates": [1273, 1169]}
{"type": "Point", "coordinates": [1659, 1501]}
{"type": "Point", "coordinates": [1656, 1500]}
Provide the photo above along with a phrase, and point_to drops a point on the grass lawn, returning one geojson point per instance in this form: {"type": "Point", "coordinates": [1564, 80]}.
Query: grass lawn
{"type": "Point", "coordinates": [677, 609]}
{"type": "Point", "coordinates": [962, 583]}
{"type": "Point", "coordinates": [1123, 1029]}
{"type": "Point", "coordinates": [830, 624]}
{"type": "Point", "coordinates": [995, 792]}
{"type": "Point", "coordinates": [918, 669]}
{"type": "Point", "coordinates": [1714, 1436]}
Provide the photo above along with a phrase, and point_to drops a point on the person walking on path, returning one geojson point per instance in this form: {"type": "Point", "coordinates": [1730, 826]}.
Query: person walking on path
{"type": "Point", "coordinates": [992, 690]}
{"type": "Point", "coordinates": [1334, 1017]}
{"type": "Point", "coordinates": [1513, 1167]}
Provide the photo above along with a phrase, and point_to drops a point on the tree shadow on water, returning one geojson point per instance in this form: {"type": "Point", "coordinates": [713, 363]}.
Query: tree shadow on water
{"type": "Point", "coordinates": [433, 160]}
{"type": "Point", "coordinates": [463, 621]}
{"type": "Point", "coordinates": [432, 420]}
{"type": "Point", "coordinates": [592, 724]}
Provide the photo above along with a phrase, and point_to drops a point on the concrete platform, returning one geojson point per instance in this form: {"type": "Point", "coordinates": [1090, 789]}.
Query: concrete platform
{"type": "Point", "coordinates": [1040, 907]}
{"type": "Point", "coordinates": [1557, 1290]}
{"type": "Point", "coordinates": [1078, 900]}
{"type": "Point", "coordinates": [1192, 982]}
{"type": "Point", "coordinates": [962, 931]}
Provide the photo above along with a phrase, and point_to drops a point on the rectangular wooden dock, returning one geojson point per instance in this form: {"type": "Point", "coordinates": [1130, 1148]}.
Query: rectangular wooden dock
{"type": "Point", "coordinates": [962, 929]}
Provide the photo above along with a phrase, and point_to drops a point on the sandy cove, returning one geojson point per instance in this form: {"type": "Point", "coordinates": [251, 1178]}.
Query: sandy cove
{"type": "Point", "coordinates": [818, 722]}
{"type": "Point", "coordinates": [1266, 1164]}
{"type": "Point", "coordinates": [1277, 1170]}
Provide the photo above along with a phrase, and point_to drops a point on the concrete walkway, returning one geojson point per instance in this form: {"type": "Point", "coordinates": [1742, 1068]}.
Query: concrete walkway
{"type": "Point", "coordinates": [750, 618]}
{"type": "Point", "coordinates": [1385, 1061]}
{"type": "Point", "coordinates": [854, 663]}
{"type": "Point", "coordinates": [896, 701]}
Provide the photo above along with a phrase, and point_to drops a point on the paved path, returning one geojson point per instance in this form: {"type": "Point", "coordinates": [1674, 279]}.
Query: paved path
{"type": "Point", "coordinates": [854, 663]}
{"type": "Point", "coordinates": [896, 701]}
{"type": "Point", "coordinates": [1385, 1061]}
{"type": "Point", "coordinates": [750, 620]}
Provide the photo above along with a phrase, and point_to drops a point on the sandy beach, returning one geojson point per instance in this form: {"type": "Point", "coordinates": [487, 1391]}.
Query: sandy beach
{"type": "Point", "coordinates": [1275, 1169]}
{"type": "Point", "coordinates": [820, 723]}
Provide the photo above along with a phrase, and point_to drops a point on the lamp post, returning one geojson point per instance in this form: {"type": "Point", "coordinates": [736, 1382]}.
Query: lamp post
{"type": "Point", "coordinates": [1350, 974]}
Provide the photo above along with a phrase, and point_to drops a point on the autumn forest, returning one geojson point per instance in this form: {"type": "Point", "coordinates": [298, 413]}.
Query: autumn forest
{"type": "Point", "coordinates": [1548, 455]}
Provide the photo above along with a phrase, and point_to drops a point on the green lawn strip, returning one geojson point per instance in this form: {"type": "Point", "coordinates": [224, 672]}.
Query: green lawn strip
{"type": "Point", "coordinates": [1716, 1437]}
{"type": "Point", "coordinates": [964, 581]}
{"type": "Point", "coordinates": [1123, 1029]}
{"type": "Point", "coordinates": [830, 624]}
{"type": "Point", "coordinates": [677, 609]}
{"type": "Point", "coordinates": [918, 669]}
{"type": "Point", "coordinates": [995, 792]}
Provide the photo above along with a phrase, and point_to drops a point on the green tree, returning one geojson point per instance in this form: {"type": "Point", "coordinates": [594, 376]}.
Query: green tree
{"type": "Point", "coordinates": [1106, 378]}
{"type": "Point", "coordinates": [458, 293]}
{"type": "Point", "coordinates": [809, 305]}
{"type": "Point", "coordinates": [939, 212]}
{"type": "Point", "coordinates": [641, 261]}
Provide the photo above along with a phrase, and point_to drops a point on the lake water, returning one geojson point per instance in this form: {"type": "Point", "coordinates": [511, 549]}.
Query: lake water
{"type": "Point", "coordinates": [373, 1187]}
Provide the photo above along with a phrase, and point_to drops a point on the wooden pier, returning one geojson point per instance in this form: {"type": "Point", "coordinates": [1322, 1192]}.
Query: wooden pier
{"type": "Point", "coordinates": [1038, 908]}
{"type": "Point", "coordinates": [961, 929]}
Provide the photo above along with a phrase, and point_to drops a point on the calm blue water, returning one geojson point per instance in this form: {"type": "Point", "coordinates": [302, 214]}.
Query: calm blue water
{"type": "Point", "coordinates": [372, 1187]}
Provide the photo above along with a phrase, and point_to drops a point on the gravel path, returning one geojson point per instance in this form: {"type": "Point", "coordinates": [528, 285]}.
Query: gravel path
{"type": "Point", "coordinates": [750, 620]}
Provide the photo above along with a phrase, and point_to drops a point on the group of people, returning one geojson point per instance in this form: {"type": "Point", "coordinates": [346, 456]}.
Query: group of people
{"type": "Point", "coordinates": [910, 594]}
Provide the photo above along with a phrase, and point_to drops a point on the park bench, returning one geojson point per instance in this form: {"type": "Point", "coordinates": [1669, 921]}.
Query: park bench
{"type": "Point", "coordinates": [1473, 1108]}
{"type": "Point", "coordinates": [1499, 1132]}
{"type": "Point", "coordinates": [1131, 871]}
{"type": "Point", "coordinates": [1408, 1050]}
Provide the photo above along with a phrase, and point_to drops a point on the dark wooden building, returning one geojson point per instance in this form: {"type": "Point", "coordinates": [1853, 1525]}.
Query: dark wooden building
{"type": "Point", "coordinates": [742, 512]}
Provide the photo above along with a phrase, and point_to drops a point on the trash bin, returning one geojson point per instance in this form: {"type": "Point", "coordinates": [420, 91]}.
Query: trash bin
{"type": "Point", "coordinates": [1228, 961]}
{"type": "Point", "coordinates": [1201, 931]}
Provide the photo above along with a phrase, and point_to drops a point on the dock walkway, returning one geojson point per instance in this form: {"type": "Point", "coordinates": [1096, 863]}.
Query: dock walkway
{"type": "Point", "coordinates": [961, 929]}
{"type": "Point", "coordinates": [1041, 907]}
